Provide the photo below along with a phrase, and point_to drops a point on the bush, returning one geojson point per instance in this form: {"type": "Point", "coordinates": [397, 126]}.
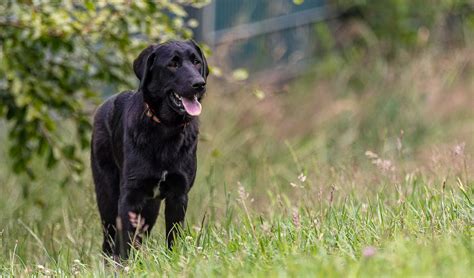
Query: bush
{"type": "Point", "coordinates": [406, 24]}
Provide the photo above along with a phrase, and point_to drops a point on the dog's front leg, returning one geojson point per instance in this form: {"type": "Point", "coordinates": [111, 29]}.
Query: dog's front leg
{"type": "Point", "coordinates": [175, 211]}
{"type": "Point", "coordinates": [128, 228]}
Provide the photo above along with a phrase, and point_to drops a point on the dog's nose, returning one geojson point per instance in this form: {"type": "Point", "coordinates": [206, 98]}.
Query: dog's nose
{"type": "Point", "coordinates": [198, 84]}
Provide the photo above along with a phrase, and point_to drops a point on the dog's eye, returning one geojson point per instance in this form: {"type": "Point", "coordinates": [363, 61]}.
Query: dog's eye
{"type": "Point", "coordinates": [173, 64]}
{"type": "Point", "coordinates": [196, 61]}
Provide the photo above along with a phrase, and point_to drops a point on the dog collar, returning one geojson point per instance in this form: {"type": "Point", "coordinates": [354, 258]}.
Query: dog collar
{"type": "Point", "coordinates": [149, 113]}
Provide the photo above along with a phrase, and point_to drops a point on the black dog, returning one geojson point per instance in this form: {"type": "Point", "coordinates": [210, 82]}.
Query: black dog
{"type": "Point", "coordinates": [144, 145]}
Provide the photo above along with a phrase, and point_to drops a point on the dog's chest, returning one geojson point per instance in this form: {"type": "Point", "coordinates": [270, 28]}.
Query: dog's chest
{"type": "Point", "coordinates": [157, 189]}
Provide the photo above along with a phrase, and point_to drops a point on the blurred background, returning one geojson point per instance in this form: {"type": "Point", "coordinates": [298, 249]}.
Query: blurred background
{"type": "Point", "coordinates": [308, 101]}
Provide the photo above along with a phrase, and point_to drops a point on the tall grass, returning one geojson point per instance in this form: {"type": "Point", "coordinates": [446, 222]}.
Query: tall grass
{"type": "Point", "coordinates": [348, 171]}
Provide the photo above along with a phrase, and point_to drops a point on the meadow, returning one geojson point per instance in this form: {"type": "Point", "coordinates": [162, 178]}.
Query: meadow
{"type": "Point", "coordinates": [352, 169]}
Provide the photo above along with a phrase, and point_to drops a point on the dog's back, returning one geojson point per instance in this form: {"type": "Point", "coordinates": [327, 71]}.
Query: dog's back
{"type": "Point", "coordinates": [108, 130]}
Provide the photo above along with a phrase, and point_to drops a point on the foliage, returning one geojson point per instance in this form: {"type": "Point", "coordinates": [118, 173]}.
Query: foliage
{"type": "Point", "coordinates": [56, 58]}
{"type": "Point", "coordinates": [407, 24]}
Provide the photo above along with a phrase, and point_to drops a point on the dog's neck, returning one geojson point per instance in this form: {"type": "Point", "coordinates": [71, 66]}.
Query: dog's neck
{"type": "Point", "coordinates": [151, 114]}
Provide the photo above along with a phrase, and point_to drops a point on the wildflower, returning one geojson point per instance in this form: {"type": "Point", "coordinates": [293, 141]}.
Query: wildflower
{"type": "Point", "coordinates": [242, 193]}
{"type": "Point", "coordinates": [383, 164]}
{"type": "Point", "coordinates": [459, 149]}
{"type": "Point", "coordinates": [296, 218]}
{"type": "Point", "coordinates": [138, 222]}
{"type": "Point", "coordinates": [76, 267]}
{"type": "Point", "coordinates": [302, 177]}
{"type": "Point", "coordinates": [369, 251]}
{"type": "Point", "coordinates": [371, 155]}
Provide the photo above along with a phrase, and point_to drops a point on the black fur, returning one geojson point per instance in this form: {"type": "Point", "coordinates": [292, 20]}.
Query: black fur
{"type": "Point", "coordinates": [137, 162]}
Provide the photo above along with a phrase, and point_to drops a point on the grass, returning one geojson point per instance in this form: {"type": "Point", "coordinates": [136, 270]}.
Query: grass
{"type": "Point", "coordinates": [347, 174]}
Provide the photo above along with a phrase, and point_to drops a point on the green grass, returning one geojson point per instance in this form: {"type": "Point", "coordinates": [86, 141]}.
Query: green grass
{"type": "Point", "coordinates": [427, 234]}
{"type": "Point", "coordinates": [286, 186]}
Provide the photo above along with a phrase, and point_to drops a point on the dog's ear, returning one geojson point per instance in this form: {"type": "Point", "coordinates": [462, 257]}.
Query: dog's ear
{"type": "Point", "coordinates": [205, 68]}
{"type": "Point", "coordinates": [143, 64]}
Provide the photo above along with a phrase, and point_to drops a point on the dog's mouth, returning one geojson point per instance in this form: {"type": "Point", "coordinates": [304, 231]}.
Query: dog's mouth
{"type": "Point", "coordinates": [185, 104]}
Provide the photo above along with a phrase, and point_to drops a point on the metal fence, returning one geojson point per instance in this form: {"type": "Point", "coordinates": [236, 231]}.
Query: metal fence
{"type": "Point", "coordinates": [261, 34]}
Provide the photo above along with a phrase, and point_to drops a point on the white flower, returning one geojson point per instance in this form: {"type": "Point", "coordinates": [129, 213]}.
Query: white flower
{"type": "Point", "coordinates": [302, 177]}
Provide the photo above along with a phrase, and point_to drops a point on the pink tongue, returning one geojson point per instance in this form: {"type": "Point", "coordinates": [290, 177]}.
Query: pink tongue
{"type": "Point", "coordinates": [192, 106]}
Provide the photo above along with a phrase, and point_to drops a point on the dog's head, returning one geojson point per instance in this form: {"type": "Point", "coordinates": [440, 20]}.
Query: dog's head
{"type": "Point", "coordinates": [172, 79]}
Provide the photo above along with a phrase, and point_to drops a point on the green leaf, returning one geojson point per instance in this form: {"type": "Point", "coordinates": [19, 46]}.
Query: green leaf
{"type": "Point", "coordinates": [240, 74]}
{"type": "Point", "coordinates": [51, 159]}
{"type": "Point", "coordinates": [69, 151]}
{"type": "Point", "coordinates": [90, 5]}
{"type": "Point", "coordinates": [259, 94]}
